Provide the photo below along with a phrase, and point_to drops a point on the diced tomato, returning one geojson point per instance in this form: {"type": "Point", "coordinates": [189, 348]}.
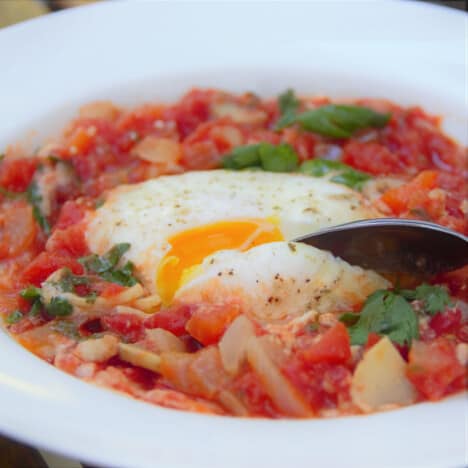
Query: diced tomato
{"type": "Point", "coordinates": [446, 322]}
{"type": "Point", "coordinates": [106, 289]}
{"type": "Point", "coordinates": [128, 326]}
{"type": "Point", "coordinates": [70, 213]}
{"type": "Point", "coordinates": [323, 385]}
{"type": "Point", "coordinates": [201, 156]}
{"type": "Point", "coordinates": [192, 110]}
{"type": "Point", "coordinates": [68, 242]}
{"type": "Point", "coordinates": [209, 321]}
{"type": "Point", "coordinates": [333, 347]}
{"type": "Point", "coordinates": [456, 282]}
{"type": "Point", "coordinates": [372, 339]}
{"type": "Point", "coordinates": [17, 229]}
{"type": "Point", "coordinates": [412, 195]}
{"type": "Point", "coordinates": [45, 264]}
{"type": "Point", "coordinates": [252, 394]}
{"type": "Point", "coordinates": [434, 368]}
{"type": "Point", "coordinates": [172, 319]}
{"type": "Point", "coordinates": [371, 157]}
{"type": "Point", "coordinates": [16, 174]}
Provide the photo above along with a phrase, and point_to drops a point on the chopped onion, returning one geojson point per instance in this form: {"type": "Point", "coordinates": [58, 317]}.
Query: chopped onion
{"type": "Point", "coordinates": [380, 380]}
{"type": "Point", "coordinates": [163, 152]}
{"type": "Point", "coordinates": [139, 357]}
{"type": "Point", "coordinates": [99, 110]}
{"type": "Point", "coordinates": [285, 397]}
{"type": "Point", "coordinates": [161, 341]}
{"type": "Point", "coordinates": [233, 344]}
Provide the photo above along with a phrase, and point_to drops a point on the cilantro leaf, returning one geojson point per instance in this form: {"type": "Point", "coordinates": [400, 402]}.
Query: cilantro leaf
{"type": "Point", "coordinates": [385, 313]}
{"type": "Point", "coordinates": [272, 158]}
{"type": "Point", "coordinates": [344, 174]}
{"type": "Point", "coordinates": [34, 197]}
{"type": "Point", "coordinates": [59, 307]}
{"type": "Point", "coordinates": [434, 298]}
{"type": "Point", "coordinates": [288, 105]}
{"type": "Point", "coordinates": [14, 317]}
{"type": "Point", "coordinates": [124, 276]}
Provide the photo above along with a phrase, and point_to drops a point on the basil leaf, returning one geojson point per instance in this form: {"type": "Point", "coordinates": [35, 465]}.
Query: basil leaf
{"type": "Point", "coordinates": [279, 158]}
{"type": "Point", "coordinates": [288, 105]}
{"type": "Point", "coordinates": [385, 313]}
{"type": "Point", "coordinates": [434, 298]}
{"type": "Point", "coordinates": [352, 179]}
{"type": "Point", "coordinates": [345, 175]}
{"type": "Point", "coordinates": [340, 121]}
{"type": "Point", "coordinates": [272, 158]}
{"type": "Point", "coordinates": [31, 293]}
{"type": "Point", "coordinates": [35, 309]}
{"type": "Point", "coordinates": [95, 264]}
{"type": "Point", "coordinates": [59, 307]}
{"type": "Point", "coordinates": [68, 281]}
{"type": "Point", "coordinates": [242, 157]}
{"type": "Point", "coordinates": [14, 317]}
{"type": "Point", "coordinates": [34, 197]}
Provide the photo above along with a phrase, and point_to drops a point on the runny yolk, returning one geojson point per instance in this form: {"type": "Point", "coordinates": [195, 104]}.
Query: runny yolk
{"type": "Point", "coordinates": [189, 248]}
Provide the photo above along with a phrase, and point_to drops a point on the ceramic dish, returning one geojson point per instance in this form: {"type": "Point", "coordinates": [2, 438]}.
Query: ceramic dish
{"type": "Point", "coordinates": [136, 52]}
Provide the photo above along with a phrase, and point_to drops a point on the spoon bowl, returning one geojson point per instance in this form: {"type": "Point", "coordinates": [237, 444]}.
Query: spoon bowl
{"type": "Point", "coordinates": [394, 246]}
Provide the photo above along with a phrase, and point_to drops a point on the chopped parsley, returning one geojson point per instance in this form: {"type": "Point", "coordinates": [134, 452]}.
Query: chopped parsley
{"type": "Point", "coordinates": [106, 266]}
{"type": "Point", "coordinates": [434, 298]}
{"type": "Point", "coordinates": [14, 317]}
{"type": "Point", "coordinates": [59, 307]}
{"type": "Point", "coordinates": [384, 313]}
{"type": "Point", "coordinates": [34, 197]}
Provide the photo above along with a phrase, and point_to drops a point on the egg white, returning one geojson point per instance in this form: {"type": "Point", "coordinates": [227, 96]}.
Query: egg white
{"type": "Point", "coordinates": [280, 280]}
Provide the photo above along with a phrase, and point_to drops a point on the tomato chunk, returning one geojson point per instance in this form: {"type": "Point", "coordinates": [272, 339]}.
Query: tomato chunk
{"type": "Point", "coordinates": [446, 322]}
{"type": "Point", "coordinates": [45, 264]}
{"type": "Point", "coordinates": [70, 241]}
{"type": "Point", "coordinates": [172, 319]}
{"type": "Point", "coordinates": [128, 326]}
{"type": "Point", "coordinates": [333, 347]}
{"type": "Point", "coordinates": [209, 321]}
{"type": "Point", "coordinates": [16, 174]}
{"type": "Point", "coordinates": [434, 368]}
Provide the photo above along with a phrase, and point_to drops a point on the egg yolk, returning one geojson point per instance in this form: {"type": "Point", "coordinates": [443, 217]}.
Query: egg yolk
{"type": "Point", "coordinates": [189, 248]}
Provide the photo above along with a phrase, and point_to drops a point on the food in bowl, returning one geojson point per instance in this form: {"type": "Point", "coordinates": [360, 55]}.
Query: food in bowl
{"type": "Point", "coordinates": [151, 251]}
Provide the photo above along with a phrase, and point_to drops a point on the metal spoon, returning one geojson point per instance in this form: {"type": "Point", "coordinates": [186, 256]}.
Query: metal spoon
{"type": "Point", "coordinates": [394, 246]}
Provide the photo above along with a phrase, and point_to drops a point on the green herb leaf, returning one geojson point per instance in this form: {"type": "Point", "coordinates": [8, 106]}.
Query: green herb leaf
{"type": "Point", "coordinates": [91, 297]}
{"type": "Point", "coordinates": [31, 293]}
{"type": "Point", "coordinates": [288, 105]}
{"type": "Point", "coordinates": [105, 266]}
{"type": "Point", "coordinates": [273, 158]}
{"type": "Point", "coordinates": [279, 158]}
{"type": "Point", "coordinates": [434, 298]}
{"type": "Point", "coordinates": [14, 317]}
{"type": "Point", "coordinates": [242, 157]}
{"type": "Point", "coordinates": [59, 307]}
{"type": "Point", "coordinates": [124, 276]}
{"type": "Point", "coordinates": [68, 281]}
{"type": "Point", "coordinates": [349, 318]}
{"type": "Point", "coordinates": [340, 121]}
{"type": "Point", "coordinates": [385, 313]}
{"type": "Point", "coordinates": [34, 197]}
{"type": "Point", "coordinates": [35, 308]}
{"type": "Point", "coordinates": [344, 174]}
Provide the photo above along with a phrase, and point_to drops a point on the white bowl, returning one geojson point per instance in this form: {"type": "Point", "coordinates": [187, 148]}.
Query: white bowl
{"type": "Point", "coordinates": [132, 52]}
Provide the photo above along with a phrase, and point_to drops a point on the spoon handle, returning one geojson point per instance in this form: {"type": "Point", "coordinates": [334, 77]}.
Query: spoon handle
{"type": "Point", "coordinates": [393, 246]}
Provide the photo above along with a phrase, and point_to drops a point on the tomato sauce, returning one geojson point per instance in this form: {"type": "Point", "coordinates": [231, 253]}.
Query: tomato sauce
{"type": "Point", "coordinates": [102, 149]}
